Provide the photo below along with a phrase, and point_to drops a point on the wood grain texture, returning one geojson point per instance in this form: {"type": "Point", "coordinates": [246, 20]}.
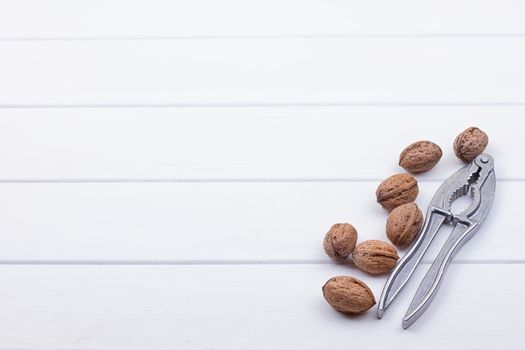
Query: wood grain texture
{"type": "Point", "coordinates": [240, 307]}
{"type": "Point", "coordinates": [216, 222]}
{"type": "Point", "coordinates": [265, 71]}
{"type": "Point", "coordinates": [243, 143]}
{"type": "Point", "coordinates": [32, 19]}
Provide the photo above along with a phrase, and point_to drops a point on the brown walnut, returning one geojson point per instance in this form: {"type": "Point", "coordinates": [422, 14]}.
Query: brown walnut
{"type": "Point", "coordinates": [397, 190]}
{"type": "Point", "coordinates": [375, 256]}
{"type": "Point", "coordinates": [420, 156]}
{"type": "Point", "coordinates": [348, 295]}
{"type": "Point", "coordinates": [470, 143]}
{"type": "Point", "coordinates": [340, 241]}
{"type": "Point", "coordinates": [403, 224]}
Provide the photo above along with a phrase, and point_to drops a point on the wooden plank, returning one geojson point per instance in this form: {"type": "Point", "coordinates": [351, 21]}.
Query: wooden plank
{"type": "Point", "coordinates": [266, 71]}
{"type": "Point", "coordinates": [216, 222]}
{"type": "Point", "coordinates": [162, 18]}
{"type": "Point", "coordinates": [235, 307]}
{"type": "Point", "coordinates": [290, 143]}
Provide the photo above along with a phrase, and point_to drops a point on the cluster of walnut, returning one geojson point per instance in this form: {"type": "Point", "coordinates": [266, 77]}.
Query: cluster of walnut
{"type": "Point", "coordinates": [396, 194]}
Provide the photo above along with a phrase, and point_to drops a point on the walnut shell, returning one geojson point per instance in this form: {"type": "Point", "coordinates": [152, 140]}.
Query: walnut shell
{"type": "Point", "coordinates": [340, 241]}
{"type": "Point", "coordinates": [403, 224]}
{"type": "Point", "coordinates": [348, 295]}
{"type": "Point", "coordinates": [397, 190]}
{"type": "Point", "coordinates": [420, 156]}
{"type": "Point", "coordinates": [470, 144]}
{"type": "Point", "coordinates": [375, 256]}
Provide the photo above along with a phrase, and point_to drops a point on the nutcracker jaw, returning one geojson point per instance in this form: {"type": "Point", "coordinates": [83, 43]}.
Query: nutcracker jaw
{"type": "Point", "coordinates": [476, 179]}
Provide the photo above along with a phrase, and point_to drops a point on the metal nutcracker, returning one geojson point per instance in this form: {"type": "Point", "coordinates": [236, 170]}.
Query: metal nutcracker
{"type": "Point", "coordinates": [476, 179]}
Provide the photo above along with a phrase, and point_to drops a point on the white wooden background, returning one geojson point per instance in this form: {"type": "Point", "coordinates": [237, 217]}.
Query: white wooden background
{"type": "Point", "coordinates": [168, 168]}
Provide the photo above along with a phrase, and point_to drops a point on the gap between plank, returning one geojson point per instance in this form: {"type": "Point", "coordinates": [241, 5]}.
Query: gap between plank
{"type": "Point", "coordinates": [263, 37]}
{"type": "Point", "coordinates": [232, 262]}
{"type": "Point", "coordinates": [260, 105]}
{"type": "Point", "coordinates": [214, 180]}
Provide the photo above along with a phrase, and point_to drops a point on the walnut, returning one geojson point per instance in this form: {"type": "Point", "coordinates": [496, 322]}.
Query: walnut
{"type": "Point", "coordinates": [348, 295]}
{"type": "Point", "coordinates": [397, 190]}
{"type": "Point", "coordinates": [340, 241]}
{"type": "Point", "coordinates": [375, 256]}
{"type": "Point", "coordinates": [470, 144]}
{"type": "Point", "coordinates": [403, 224]}
{"type": "Point", "coordinates": [420, 156]}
